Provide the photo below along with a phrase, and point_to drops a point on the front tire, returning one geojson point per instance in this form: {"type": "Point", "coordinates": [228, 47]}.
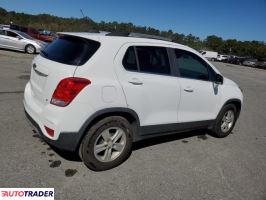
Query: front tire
{"type": "Point", "coordinates": [30, 49]}
{"type": "Point", "coordinates": [107, 144]}
{"type": "Point", "coordinates": [225, 121]}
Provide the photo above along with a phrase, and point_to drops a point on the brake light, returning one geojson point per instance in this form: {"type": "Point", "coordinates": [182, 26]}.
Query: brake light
{"type": "Point", "coordinates": [67, 90]}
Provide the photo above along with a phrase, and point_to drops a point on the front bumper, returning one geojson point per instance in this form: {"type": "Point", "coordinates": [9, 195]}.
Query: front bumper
{"type": "Point", "coordinates": [38, 49]}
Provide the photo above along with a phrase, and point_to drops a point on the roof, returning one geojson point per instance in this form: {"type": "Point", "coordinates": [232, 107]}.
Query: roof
{"type": "Point", "coordinates": [104, 37]}
{"type": "Point", "coordinates": [123, 37]}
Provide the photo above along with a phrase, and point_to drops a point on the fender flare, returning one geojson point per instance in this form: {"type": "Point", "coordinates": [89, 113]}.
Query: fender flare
{"type": "Point", "coordinates": [233, 100]}
{"type": "Point", "coordinates": [101, 114]}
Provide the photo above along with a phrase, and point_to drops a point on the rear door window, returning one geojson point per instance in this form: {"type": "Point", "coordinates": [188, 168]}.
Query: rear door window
{"type": "Point", "coordinates": [70, 50]}
{"type": "Point", "coordinates": [11, 34]}
{"type": "Point", "coordinates": [153, 60]}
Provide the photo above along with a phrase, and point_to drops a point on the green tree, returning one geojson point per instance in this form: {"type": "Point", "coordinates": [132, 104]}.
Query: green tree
{"type": "Point", "coordinates": [254, 49]}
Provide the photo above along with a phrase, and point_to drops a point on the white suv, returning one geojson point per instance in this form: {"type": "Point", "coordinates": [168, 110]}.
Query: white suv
{"type": "Point", "coordinates": [96, 93]}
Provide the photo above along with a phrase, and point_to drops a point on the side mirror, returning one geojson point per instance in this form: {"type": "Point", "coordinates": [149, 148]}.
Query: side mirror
{"type": "Point", "coordinates": [219, 79]}
{"type": "Point", "coordinates": [18, 37]}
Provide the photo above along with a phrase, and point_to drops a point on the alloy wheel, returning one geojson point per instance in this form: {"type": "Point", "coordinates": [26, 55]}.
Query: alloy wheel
{"type": "Point", "coordinates": [110, 144]}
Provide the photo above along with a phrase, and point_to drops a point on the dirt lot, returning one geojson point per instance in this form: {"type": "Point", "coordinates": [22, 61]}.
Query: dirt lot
{"type": "Point", "coordinates": [184, 166]}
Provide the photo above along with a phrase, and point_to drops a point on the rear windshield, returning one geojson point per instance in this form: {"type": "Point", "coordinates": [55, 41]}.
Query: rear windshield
{"type": "Point", "coordinates": [70, 50]}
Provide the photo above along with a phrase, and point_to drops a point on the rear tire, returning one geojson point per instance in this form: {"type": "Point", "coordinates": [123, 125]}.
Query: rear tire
{"type": "Point", "coordinates": [225, 121]}
{"type": "Point", "coordinates": [107, 144]}
{"type": "Point", "coordinates": [30, 49]}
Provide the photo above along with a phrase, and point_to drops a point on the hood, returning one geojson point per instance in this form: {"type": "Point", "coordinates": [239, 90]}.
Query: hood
{"type": "Point", "coordinates": [228, 81]}
{"type": "Point", "coordinates": [41, 43]}
{"type": "Point", "coordinates": [35, 42]}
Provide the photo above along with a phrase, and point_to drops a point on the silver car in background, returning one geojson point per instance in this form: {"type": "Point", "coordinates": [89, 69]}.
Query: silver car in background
{"type": "Point", "coordinates": [250, 62]}
{"type": "Point", "coordinates": [16, 40]}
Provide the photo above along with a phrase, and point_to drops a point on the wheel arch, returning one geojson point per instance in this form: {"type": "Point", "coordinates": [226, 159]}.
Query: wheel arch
{"type": "Point", "coordinates": [236, 102]}
{"type": "Point", "coordinates": [127, 113]}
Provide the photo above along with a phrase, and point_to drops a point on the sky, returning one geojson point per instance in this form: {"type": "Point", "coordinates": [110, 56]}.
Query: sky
{"type": "Point", "coordinates": [229, 19]}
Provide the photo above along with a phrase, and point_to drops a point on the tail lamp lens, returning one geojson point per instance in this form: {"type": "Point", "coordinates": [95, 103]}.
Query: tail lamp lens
{"type": "Point", "coordinates": [67, 90]}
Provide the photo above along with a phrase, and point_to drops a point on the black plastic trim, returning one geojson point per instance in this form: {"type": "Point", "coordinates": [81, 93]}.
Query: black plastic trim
{"type": "Point", "coordinates": [123, 34]}
{"type": "Point", "coordinates": [232, 101]}
{"type": "Point", "coordinates": [70, 141]}
{"type": "Point", "coordinates": [166, 129]}
{"type": "Point", "coordinates": [112, 111]}
{"type": "Point", "coordinates": [138, 35]}
{"type": "Point", "coordinates": [66, 141]}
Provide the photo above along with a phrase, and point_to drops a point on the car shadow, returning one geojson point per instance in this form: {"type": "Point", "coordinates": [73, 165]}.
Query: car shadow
{"type": "Point", "coordinates": [16, 51]}
{"type": "Point", "coordinates": [201, 134]}
{"type": "Point", "coordinates": [11, 50]}
{"type": "Point", "coordinates": [67, 155]}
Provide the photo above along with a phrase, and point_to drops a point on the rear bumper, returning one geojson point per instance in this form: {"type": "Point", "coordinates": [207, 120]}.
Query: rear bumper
{"type": "Point", "coordinates": [66, 122]}
{"type": "Point", "coordinates": [65, 141]}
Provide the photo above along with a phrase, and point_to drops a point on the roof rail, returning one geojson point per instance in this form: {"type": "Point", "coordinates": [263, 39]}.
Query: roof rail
{"type": "Point", "coordinates": [138, 35]}
{"type": "Point", "coordinates": [124, 34]}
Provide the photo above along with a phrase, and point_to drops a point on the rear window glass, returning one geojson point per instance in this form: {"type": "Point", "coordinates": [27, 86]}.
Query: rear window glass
{"type": "Point", "coordinates": [70, 50]}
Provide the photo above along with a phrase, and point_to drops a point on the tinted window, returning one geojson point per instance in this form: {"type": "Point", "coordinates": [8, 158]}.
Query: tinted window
{"type": "Point", "coordinates": [25, 35]}
{"type": "Point", "coordinates": [11, 34]}
{"type": "Point", "coordinates": [31, 30]}
{"type": "Point", "coordinates": [70, 50]}
{"type": "Point", "coordinates": [129, 60]}
{"type": "Point", "coordinates": [2, 32]}
{"type": "Point", "coordinates": [191, 66]}
{"type": "Point", "coordinates": [14, 27]}
{"type": "Point", "coordinates": [153, 59]}
{"type": "Point", "coordinates": [24, 29]}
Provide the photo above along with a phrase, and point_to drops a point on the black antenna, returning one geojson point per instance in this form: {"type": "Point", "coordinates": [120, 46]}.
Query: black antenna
{"type": "Point", "coordinates": [82, 13]}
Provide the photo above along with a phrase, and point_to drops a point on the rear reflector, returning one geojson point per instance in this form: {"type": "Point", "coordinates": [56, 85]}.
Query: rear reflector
{"type": "Point", "coordinates": [49, 131]}
{"type": "Point", "coordinates": [67, 90]}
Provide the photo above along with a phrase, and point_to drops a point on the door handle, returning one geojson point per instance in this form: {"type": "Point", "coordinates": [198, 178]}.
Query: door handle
{"type": "Point", "coordinates": [188, 89]}
{"type": "Point", "coordinates": [135, 81]}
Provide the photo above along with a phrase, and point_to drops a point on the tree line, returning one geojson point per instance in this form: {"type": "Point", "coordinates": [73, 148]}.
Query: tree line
{"type": "Point", "coordinates": [254, 49]}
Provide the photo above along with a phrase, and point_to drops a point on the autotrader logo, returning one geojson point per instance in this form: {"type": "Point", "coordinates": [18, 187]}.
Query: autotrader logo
{"type": "Point", "coordinates": [27, 193]}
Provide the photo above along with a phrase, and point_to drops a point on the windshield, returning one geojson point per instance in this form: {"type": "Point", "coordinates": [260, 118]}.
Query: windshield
{"type": "Point", "coordinates": [70, 50]}
{"type": "Point", "coordinates": [25, 35]}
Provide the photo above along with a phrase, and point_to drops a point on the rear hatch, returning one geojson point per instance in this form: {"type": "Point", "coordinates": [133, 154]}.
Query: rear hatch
{"type": "Point", "coordinates": [57, 61]}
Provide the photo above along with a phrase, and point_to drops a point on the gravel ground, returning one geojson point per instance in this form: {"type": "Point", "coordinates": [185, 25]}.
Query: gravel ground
{"type": "Point", "coordinates": [190, 165]}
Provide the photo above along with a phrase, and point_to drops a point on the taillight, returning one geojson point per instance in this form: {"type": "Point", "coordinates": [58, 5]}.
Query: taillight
{"type": "Point", "coordinates": [67, 90]}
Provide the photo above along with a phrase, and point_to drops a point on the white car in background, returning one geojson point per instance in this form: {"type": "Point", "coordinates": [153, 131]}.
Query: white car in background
{"type": "Point", "coordinates": [221, 57]}
{"type": "Point", "coordinates": [97, 93]}
{"type": "Point", "coordinates": [16, 40]}
{"type": "Point", "coordinates": [209, 55]}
